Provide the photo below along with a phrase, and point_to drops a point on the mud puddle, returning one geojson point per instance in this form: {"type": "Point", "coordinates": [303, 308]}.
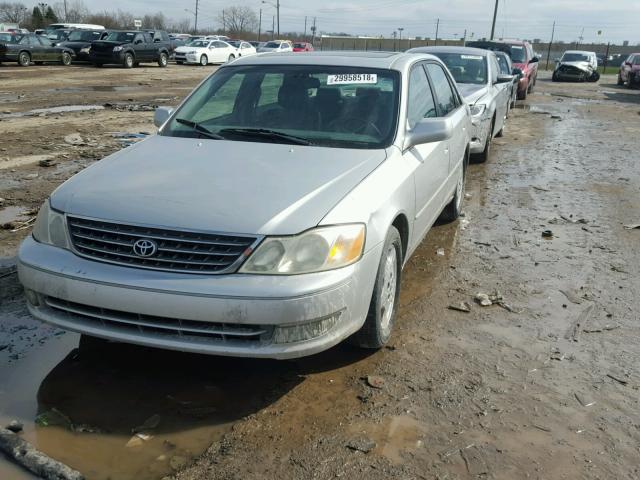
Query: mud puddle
{"type": "Point", "coordinates": [94, 88]}
{"type": "Point", "coordinates": [13, 214]}
{"type": "Point", "coordinates": [52, 110]}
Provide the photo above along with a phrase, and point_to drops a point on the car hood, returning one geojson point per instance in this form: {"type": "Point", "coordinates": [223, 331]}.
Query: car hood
{"type": "Point", "coordinates": [184, 48]}
{"type": "Point", "coordinates": [217, 185]}
{"type": "Point", "coordinates": [585, 66]}
{"type": "Point", "coordinates": [472, 92]}
{"type": "Point", "coordinates": [108, 43]}
{"type": "Point", "coordinates": [74, 44]}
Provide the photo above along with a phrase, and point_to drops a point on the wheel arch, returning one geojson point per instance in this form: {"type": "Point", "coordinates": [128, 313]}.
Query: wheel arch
{"type": "Point", "coordinates": [401, 223]}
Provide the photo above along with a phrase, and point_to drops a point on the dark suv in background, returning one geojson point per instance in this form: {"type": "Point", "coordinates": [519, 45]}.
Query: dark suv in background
{"type": "Point", "coordinates": [131, 48]}
{"type": "Point", "coordinates": [80, 42]}
{"type": "Point", "coordinates": [523, 58]}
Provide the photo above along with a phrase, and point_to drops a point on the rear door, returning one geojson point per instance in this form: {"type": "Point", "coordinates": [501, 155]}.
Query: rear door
{"type": "Point", "coordinates": [433, 158]}
{"type": "Point", "coordinates": [48, 51]}
{"type": "Point", "coordinates": [36, 46]}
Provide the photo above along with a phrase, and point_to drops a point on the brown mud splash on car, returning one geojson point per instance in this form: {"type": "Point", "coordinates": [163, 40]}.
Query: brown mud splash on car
{"type": "Point", "coordinates": [543, 383]}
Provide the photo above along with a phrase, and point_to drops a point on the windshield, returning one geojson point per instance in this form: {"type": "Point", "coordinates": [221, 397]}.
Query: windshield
{"type": "Point", "coordinates": [120, 37]}
{"type": "Point", "coordinates": [83, 36]}
{"type": "Point", "coordinates": [271, 45]}
{"type": "Point", "coordinates": [199, 44]}
{"type": "Point", "coordinates": [298, 45]}
{"type": "Point", "coordinates": [465, 68]}
{"type": "Point", "coordinates": [575, 57]}
{"type": "Point", "coordinates": [345, 107]}
{"type": "Point", "coordinates": [518, 54]}
{"type": "Point", "coordinates": [234, 43]}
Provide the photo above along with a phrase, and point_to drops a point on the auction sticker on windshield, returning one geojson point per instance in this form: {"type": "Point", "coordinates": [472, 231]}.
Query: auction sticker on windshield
{"type": "Point", "coordinates": [351, 78]}
{"type": "Point", "coordinates": [471, 57]}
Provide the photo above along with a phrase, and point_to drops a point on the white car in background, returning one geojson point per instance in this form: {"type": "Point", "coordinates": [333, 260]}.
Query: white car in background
{"type": "Point", "coordinates": [204, 52]}
{"type": "Point", "coordinates": [245, 49]}
{"type": "Point", "coordinates": [276, 46]}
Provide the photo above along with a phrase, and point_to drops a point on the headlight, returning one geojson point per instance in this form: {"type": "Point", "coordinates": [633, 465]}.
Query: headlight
{"type": "Point", "coordinates": [192, 52]}
{"type": "Point", "coordinates": [85, 50]}
{"type": "Point", "coordinates": [477, 109]}
{"type": "Point", "coordinates": [118, 48]}
{"type": "Point", "coordinates": [50, 227]}
{"type": "Point", "coordinates": [320, 249]}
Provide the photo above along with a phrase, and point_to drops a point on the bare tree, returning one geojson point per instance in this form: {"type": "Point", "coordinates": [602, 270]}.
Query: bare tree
{"type": "Point", "coordinates": [180, 26]}
{"type": "Point", "coordinates": [12, 12]}
{"type": "Point", "coordinates": [238, 19]}
{"type": "Point", "coordinates": [155, 21]}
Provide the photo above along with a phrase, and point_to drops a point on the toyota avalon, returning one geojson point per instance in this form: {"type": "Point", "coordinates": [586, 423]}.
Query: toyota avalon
{"type": "Point", "coordinates": [270, 216]}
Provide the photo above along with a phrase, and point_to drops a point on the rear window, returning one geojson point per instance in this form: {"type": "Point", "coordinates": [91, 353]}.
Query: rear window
{"type": "Point", "coordinates": [8, 38]}
{"type": "Point", "coordinates": [299, 45]}
{"type": "Point", "coordinates": [518, 54]}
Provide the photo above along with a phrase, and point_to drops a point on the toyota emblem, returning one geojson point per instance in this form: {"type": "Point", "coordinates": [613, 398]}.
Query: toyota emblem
{"type": "Point", "coordinates": [144, 247]}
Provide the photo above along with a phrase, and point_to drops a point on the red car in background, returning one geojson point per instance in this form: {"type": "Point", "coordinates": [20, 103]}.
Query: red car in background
{"type": "Point", "coordinates": [629, 72]}
{"type": "Point", "coordinates": [525, 63]}
{"type": "Point", "coordinates": [302, 47]}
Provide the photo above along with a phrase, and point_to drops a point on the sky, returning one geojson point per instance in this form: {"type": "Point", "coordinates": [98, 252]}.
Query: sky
{"type": "Point", "coordinates": [594, 20]}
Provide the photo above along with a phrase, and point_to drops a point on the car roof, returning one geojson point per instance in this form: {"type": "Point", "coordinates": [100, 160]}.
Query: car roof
{"type": "Point", "coordinates": [382, 60]}
{"type": "Point", "coordinates": [579, 51]}
{"type": "Point", "coordinates": [445, 49]}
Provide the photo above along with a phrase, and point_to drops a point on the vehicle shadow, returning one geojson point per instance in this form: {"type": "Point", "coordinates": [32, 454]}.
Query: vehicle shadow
{"type": "Point", "coordinates": [116, 387]}
{"type": "Point", "coordinates": [622, 94]}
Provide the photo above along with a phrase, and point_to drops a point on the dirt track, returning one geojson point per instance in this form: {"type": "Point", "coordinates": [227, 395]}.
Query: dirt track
{"type": "Point", "coordinates": [545, 386]}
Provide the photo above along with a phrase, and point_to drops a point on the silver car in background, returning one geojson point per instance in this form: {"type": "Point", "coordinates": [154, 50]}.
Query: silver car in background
{"type": "Point", "coordinates": [485, 89]}
{"type": "Point", "coordinates": [270, 216]}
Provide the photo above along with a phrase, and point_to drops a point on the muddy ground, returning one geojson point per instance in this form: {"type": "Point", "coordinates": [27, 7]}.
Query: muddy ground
{"type": "Point", "coordinates": [545, 385]}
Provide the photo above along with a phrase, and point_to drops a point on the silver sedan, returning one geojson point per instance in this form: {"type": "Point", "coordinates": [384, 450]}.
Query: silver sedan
{"type": "Point", "coordinates": [484, 88]}
{"type": "Point", "coordinates": [270, 216]}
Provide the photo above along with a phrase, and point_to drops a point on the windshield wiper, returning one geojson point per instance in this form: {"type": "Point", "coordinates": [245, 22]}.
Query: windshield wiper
{"type": "Point", "coordinates": [266, 133]}
{"type": "Point", "coordinates": [199, 128]}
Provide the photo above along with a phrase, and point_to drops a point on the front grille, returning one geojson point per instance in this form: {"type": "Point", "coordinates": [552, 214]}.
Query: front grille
{"type": "Point", "coordinates": [571, 70]}
{"type": "Point", "coordinates": [177, 251]}
{"type": "Point", "coordinates": [159, 327]}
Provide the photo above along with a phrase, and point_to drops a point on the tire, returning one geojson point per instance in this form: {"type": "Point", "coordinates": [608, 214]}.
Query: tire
{"type": "Point", "coordinates": [453, 209]}
{"type": "Point", "coordinates": [620, 81]}
{"type": "Point", "coordinates": [128, 61]}
{"type": "Point", "coordinates": [483, 156]}
{"type": "Point", "coordinates": [204, 60]}
{"type": "Point", "coordinates": [595, 76]}
{"type": "Point", "coordinates": [65, 59]}
{"type": "Point", "coordinates": [231, 58]}
{"type": "Point", "coordinates": [378, 325]}
{"type": "Point", "coordinates": [163, 60]}
{"type": "Point", "coordinates": [523, 95]}
{"type": "Point", "coordinates": [24, 59]}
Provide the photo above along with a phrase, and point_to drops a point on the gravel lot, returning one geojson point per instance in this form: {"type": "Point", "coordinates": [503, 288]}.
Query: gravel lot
{"type": "Point", "coordinates": [544, 385]}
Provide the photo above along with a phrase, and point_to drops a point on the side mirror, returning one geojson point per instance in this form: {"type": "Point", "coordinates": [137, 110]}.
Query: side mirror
{"type": "Point", "coordinates": [161, 115]}
{"type": "Point", "coordinates": [517, 72]}
{"type": "Point", "coordinates": [534, 60]}
{"type": "Point", "coordinates": [628, 64]}
{"type": "Point", "coordinates": [502, 78]}
{"type": "Point", "coordinates": [428, 130]}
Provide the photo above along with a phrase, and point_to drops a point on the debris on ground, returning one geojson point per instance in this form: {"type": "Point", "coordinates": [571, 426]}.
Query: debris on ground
{"type": "Point", "coordinates": [483, 299]}
{"type": "Point", "coordinates": [461, 307]}
{"type": "Point", "coordinates": [74, 139]}
{"type": "Point", "coordinates": [632, 226]}
{"type": "Point", "coordinates": [440, 251]}
{"type": "Point", "coordinates": [556, 354]}
{"type": "Point", "coordinates": [606, 328]}
{"type": "Point", "coordinates": [618, 378]}
{"type": "Point", "coordinates": [584, 400]}
{"type": "Point", "coordinates": [15, 426]}
{"type": "Point", "coordinates": [24, 454]}
{"type": "Point", "coordinates": [177, 462]}
{"type": "Point", "coordinates": [47, 162]}
{"type": "Point", "coordinates": [580, 323]}
{"type": "Point", "coordinates": [375, 381]}
{"type": "Point", "coordinates": [361, 444]}
{"type": "Point", "coordinates": [547, 234]}
{"type": "Point", "coordinates": [138, 440]}
{"type": "Point", "coordinates": [149, 424]}
{"type": "Point", "coordinates": [572, 297]}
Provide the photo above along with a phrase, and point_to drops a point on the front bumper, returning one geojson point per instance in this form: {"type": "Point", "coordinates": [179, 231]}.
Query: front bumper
{"type": "Point", "coordinates": [479, 132]}
{"type": "Point", "coordinates": [106, 57]}
{"type": "Point", "coordinates": [188, 312]}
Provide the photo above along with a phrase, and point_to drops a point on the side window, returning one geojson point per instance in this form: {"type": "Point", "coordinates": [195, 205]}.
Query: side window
{"type": "Point", "coordinates": [421, 103]}
{"type": "Point", "coordinates": [504, 66]}
{"type": "Point", "coordinates": [219, 44]}
{"type": "Point", "coordinates": [149, 38]}
{"type": "Point", "coordinates": [447, 99]}
{"type": "Point", "coordinates": [137, 38]}
{"type": "Point", "coordinates": [26, 40]}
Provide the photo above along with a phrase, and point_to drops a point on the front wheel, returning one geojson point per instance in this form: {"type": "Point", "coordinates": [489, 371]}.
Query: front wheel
{"type": "Point", "coordinates": [231, 58]}
{"type": "Point", "coordinates": [24, 59]}
{"type": "Point", "coordinates": [384, 302]}
{"type": "Point", "coordinates": [163, 60]}
{"type": "Point", "coordinates": [620, 81]}
{"type": "Point", "coordinates": [66, 59]}
{"type": "Point", "coordinates": [128, 60]}
{"type": "Point", "coordinates": [204, 60]}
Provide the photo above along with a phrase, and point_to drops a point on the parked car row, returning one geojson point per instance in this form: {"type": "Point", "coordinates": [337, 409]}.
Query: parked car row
{"type": "Point", "coordinates": [303, 190]}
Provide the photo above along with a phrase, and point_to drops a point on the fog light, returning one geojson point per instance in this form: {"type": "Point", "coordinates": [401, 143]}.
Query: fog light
{"type": "Point", "coordinates": [306, 331]}
{"type": "Point", "coordinates": [32, 297]}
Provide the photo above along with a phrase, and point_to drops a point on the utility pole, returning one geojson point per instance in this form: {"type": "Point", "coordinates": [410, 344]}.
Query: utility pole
{"type": "Point", "coordinates": [195, 26]}
{"type": "Point", "coordinates": [65, 10]}
{"type": "Point", "coordinates": [437, 29]}
{"type": "Point", "coordinates": [278, 13]}
{"type": "Point", "coordinates": [493, 25]}
{"type": "Point", "coordinates": [313, 31]}
{"type": "Point", "coordinates": [273, 26]}
{"type": "Point", "coordinates": [224, 22]}
{"type": "Point", "coordinates": [305, 29]}
{"type": "Point", "coordinates": [395, 34]}
{"type": "Point", "coordinates": [553, 31]}
{"type": "Point", "coordinates": [259, 24]}
{"type": "Point", "coordinates": [400, 29]}
{"type": "Point", "coordinates": [464, 38]}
